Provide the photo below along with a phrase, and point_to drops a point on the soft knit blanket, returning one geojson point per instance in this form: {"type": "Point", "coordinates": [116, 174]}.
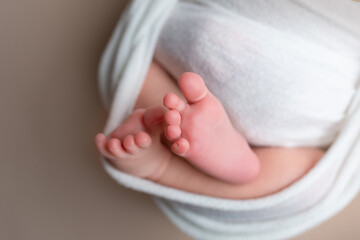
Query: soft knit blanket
{"type": "Point", "coordinates": [279, 86]}
{"type": "Point", "coordinates": [320, 194]}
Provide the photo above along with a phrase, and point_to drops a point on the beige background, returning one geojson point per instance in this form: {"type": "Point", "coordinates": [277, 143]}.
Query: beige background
{"type": "Point", "coordinates": [52, 185]}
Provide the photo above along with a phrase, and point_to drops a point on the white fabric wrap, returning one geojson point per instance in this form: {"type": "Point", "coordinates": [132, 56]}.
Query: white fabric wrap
{"type": "Point", "coordinates": [320, 194]}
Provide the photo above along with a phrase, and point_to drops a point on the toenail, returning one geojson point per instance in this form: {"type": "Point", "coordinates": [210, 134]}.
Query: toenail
{"type": "Point", "coordinates": [177, 146]}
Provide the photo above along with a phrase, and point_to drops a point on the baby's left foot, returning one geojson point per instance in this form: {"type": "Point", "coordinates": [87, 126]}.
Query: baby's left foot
{"type": "Point", "coordinates": [135, 146]}
{"type": "Point", "coordinates": [201, 132]}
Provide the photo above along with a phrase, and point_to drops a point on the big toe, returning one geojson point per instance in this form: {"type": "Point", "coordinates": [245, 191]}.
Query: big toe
{"type": "Point", "coordinates": [154, 118]}
{"type": "Point", "coordinates": [192, 86]}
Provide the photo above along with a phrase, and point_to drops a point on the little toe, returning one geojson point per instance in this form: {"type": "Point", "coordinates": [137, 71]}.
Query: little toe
{"type": "Point", "coordinates": [172, 132]}
{"type": "Point", "coordinates": [193, 87]}
{"type": "Point", "coordinates": [142, 139]}
{"type": "Point", "coordinates": [129, 144]}
{"type": "Point", "coordinates": [115, 148]}
{"type": "Point", "coordinates": [100, 141]}
{"type": "Point", "coordinates": [180, 147]}
{"type": "Point", "coordinates": [172, 117]}
{"type": "Point", "coordinates": [172, 101]}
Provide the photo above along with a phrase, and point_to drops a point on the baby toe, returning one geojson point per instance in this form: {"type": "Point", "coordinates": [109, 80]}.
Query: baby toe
{"type": "Point", "coordinates": [180, 147]}
{"type": "Point", "coordinates": [172, 117]}
{"type": "Point", "coordinates": [172, 101]}
{"type": "Point", "coordinates": [100, 140]}
{"type": "Point", "coordinates": [142, 139]}
{"type": "Point", "coordinates": [129, 144]}
{"type": "Point", "coordinates": [101, 145]}
{"type": "Point", "coordinates": [115, 148]}
{"type": "Point", "coordinates": [172, 132]}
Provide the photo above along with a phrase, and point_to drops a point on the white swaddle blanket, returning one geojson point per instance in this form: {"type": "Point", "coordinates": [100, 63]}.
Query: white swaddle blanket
{"type": "Point", "coordinates": [295, 74]}
{"type": "Point", "coordinates": [278, 88]}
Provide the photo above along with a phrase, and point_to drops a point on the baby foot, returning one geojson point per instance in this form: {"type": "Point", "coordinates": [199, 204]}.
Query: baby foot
{"type": "Point", "coordinates": [135, 147]}
{"type": "Point", "coordinates": [201, 132]}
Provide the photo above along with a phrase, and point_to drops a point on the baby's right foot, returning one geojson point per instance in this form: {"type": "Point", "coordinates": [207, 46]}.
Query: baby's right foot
{"type": "Point", "coordinates": [135, 146]}
{"type": "Point", "coordinates": [201, 132]}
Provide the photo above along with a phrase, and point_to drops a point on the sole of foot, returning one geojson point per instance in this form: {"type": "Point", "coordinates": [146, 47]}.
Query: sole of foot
{"type": "Point", "coordinates": [200, 131]}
